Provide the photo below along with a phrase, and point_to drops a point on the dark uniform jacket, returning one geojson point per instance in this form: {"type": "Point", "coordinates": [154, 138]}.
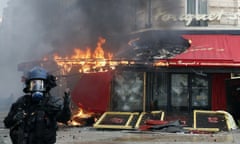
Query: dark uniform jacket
{"type": "Point", "coordinates": [39, 123]}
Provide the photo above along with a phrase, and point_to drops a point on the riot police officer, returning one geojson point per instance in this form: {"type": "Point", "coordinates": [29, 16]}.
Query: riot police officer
{"type": "Point", "coordinates": [33, 118]}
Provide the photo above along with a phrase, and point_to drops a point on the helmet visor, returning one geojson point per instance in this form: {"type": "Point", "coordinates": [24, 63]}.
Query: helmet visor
{"type": "Point", "coordinates": [36, 85]}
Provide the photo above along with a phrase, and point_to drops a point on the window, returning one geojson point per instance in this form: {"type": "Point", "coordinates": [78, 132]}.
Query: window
{"type": "Point", "coordinates": [160, 91]}
{"type": "Point", "coordinates": [196, 7]}
{"type": "Point", "coordinates": [188, 92]}
{"type": "Point", "coordinates": [179, 92]}
{"type": "Point", "coordinates": [199, 91]}
{"type": "Point", "coordinates": [127, 91]}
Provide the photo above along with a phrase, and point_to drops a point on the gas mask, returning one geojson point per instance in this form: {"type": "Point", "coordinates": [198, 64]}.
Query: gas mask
{"type": "Point", "coordinates": [37, 89]}
{"type": "Point", "coordinates": [38, 83]}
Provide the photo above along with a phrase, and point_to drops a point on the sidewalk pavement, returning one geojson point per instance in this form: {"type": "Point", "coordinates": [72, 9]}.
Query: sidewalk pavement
{"type": "Point", "coordinates": [89, 135]}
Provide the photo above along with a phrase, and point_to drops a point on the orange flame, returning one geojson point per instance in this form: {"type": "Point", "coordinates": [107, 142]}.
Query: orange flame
{"type": "Point", "coordinates": [89, 62]}
{"type": "Point", "coordinates": [96, 61]}
{"type": "Point", "coordinates": [78, 119]}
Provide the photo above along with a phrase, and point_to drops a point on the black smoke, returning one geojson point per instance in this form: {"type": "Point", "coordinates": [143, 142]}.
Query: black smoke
{"type": "Point", "coordinates": [82, 22]}
{"type": "Point", "coordinates": [32, 29]}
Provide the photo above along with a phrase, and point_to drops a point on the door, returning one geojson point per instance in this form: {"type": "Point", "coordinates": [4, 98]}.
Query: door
{"type": "Point", "coordinates": [179, 92]}
{"type": "Point", "coordinates": [189, 92]}
{"type": "Point", "coordinates": [233, 97]}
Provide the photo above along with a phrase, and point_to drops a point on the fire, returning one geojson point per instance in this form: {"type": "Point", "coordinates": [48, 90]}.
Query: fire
{"type": "Point", "coordinates": [96, 61]}
{"type": "Point", "coordinates": [81, 117]}
{"type": "Point", "coordinates": [89, 62]}
{"type": "Point", "coordinates": [99, 53]}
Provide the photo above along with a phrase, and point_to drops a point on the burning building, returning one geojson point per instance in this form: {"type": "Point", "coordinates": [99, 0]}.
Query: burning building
{"type": "Point", "coordinates": [176, 75]}
{"type": "Point", "coordinates": [150, 69]}
{"type": "Point", "coordinates": [102, 82]}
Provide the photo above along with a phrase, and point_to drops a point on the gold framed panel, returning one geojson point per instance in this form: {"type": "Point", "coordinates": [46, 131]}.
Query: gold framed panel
{"type": "Point", "coordinates": [117, 120]}
{"type": "Point", "coordinates": [153, 115]}
{"type": "Point", "coordinates": [210, 120]}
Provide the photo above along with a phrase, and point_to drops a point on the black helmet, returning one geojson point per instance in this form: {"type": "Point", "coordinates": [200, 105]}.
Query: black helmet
{"type": "Point", "coordinates": [37, 73]}
{"type": "Point", "coordinates": [38, 79]}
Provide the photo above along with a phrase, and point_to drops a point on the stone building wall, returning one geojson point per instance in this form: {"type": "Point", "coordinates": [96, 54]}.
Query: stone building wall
{"type": "Point", "coordinates": [220, 14]}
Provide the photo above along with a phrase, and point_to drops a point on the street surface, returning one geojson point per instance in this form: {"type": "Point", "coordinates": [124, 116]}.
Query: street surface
{"type": "Point", "coordinates": [90, 135]}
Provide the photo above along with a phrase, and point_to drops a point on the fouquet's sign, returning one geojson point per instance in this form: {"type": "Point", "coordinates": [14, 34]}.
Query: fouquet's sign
{"type": "Point", "coordinates": [188, 18]}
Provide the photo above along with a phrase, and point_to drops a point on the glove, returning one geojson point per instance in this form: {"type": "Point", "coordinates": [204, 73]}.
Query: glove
{"type": "Point", "coordinates": [66, 97]}
{"type": "Point", "coordinates": [19, 116]}
{"type": "Point", "coordinates": [67, 92]}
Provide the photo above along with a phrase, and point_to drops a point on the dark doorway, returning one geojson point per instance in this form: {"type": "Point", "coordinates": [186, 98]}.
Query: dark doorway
{"type": "Point", "coordinates": [233, 97]}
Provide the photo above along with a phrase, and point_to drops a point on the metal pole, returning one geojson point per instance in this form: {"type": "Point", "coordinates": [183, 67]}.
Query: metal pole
{"type": "Point", "coordinates": [149, 23]}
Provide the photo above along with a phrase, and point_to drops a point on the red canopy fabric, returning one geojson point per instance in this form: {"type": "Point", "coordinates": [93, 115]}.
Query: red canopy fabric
{"type": "Point", "coordinates": [209, 50]}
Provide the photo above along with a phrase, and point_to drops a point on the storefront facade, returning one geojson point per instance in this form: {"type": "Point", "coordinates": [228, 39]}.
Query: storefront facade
{"type": "Point", "coordinates": [204, 77]}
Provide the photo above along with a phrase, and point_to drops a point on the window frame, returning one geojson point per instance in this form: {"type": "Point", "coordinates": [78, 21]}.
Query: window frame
{"type": "Point", "coordinates": [190, 107]}
{"type": "Point", "coordinates": [197, 10]}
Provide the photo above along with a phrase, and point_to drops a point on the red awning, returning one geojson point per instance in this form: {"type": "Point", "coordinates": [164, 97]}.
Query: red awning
{"type": "Point", "coordinates": [209, 50]}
